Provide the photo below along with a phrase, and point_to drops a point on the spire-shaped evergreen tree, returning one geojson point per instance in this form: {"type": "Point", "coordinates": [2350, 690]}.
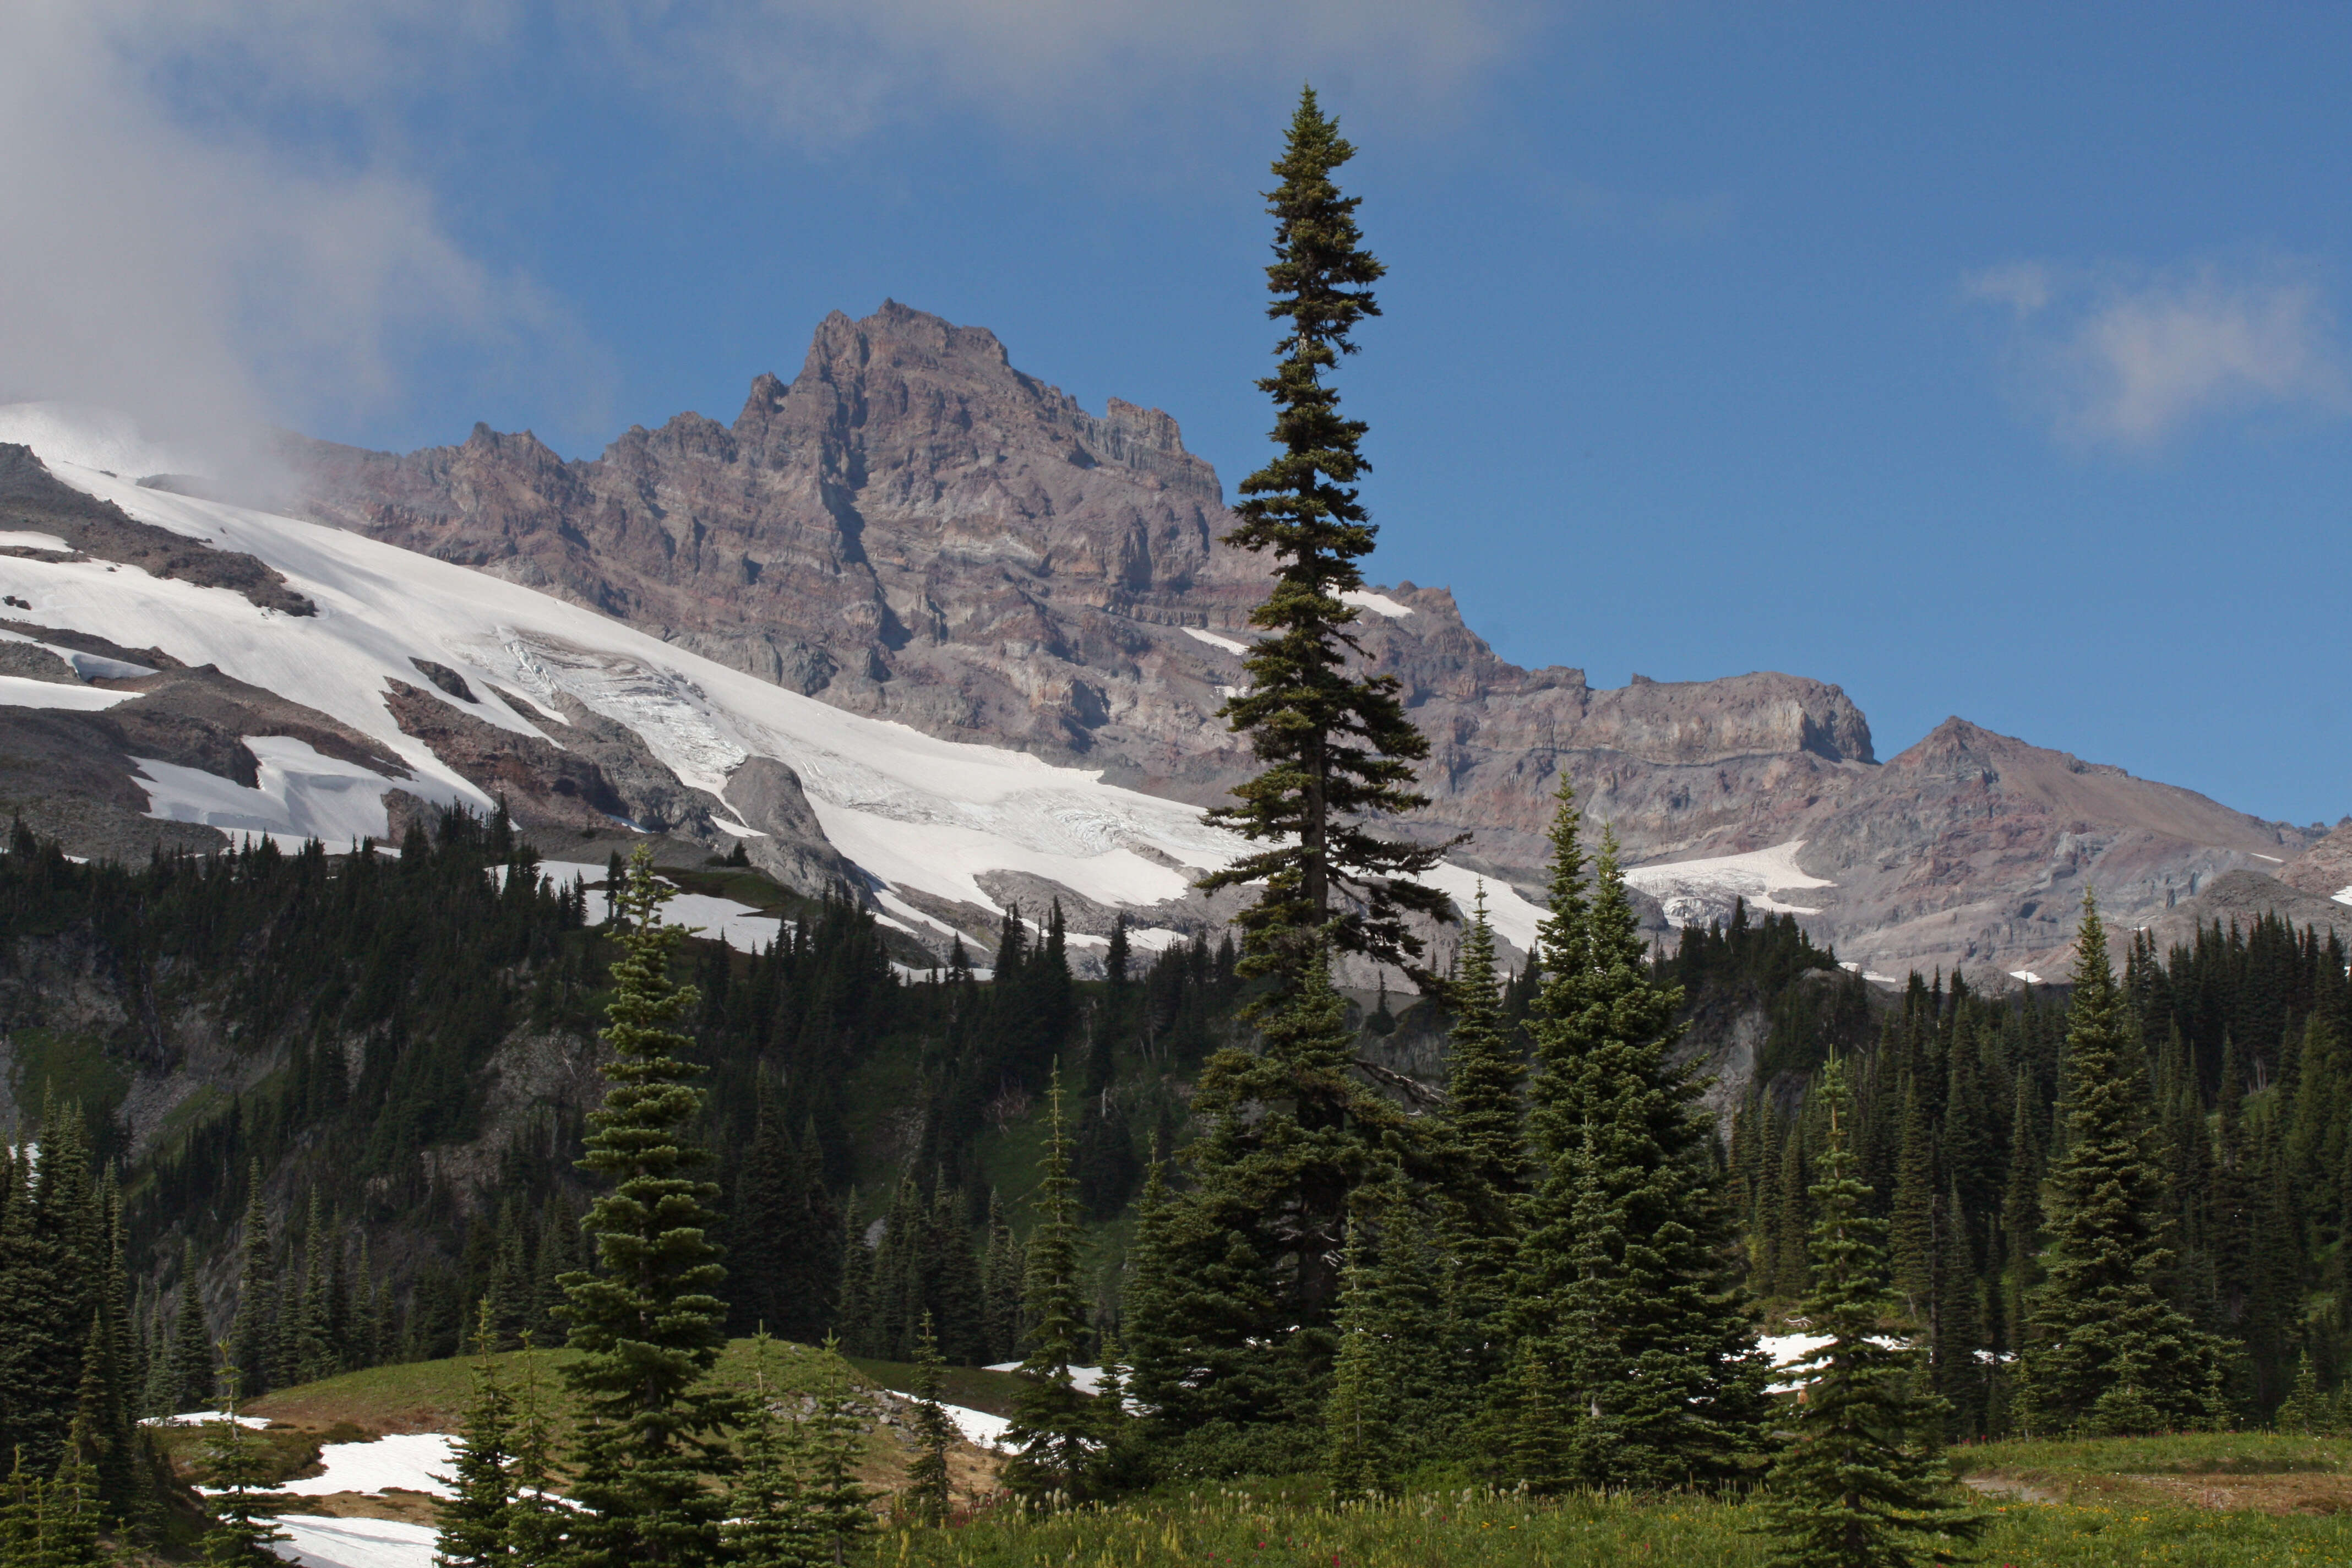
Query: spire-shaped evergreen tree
{"type": "Point", "coordinates": [252, 1334]}
{"type": "Point", "coordinates": [2108, 1353]}
{"type": "Point", "coordinates": [646, 1322]}
{"type": "Point", "coordinates": [1626, 1285]}
{"type": "Point", "coordinates": [1051, 1426]}
{"type": "Point", "coordinates": [475, 1524]}
{"type": "Point", "coordinates": [934, 1434]}
{"type": "Point", "coordinates": [1483, 1112]}
{"type": "Point", "coordinates": [1335, 744]}
{"type": "Point", "coordinates": [768, 1522]}
{"type": "Point", "coordinates": [243, 1507]}
{"type": "Point", "coordinates": [1856, 1487]}
{"type": "Point", "coordinates": [834, 1499]}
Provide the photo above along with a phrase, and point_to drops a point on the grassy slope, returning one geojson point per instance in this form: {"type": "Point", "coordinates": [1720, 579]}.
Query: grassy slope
{"type": "Point", "coordinates": [430, 1397]}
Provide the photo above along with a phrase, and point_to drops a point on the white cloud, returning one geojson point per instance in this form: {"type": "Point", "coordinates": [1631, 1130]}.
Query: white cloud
{"type": "Point", "coordinates": [167, 255]}
{"type": "Point", "coordinates": [2128, 359]}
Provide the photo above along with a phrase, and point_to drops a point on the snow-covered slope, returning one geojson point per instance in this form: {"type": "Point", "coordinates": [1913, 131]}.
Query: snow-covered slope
{"type": "Point", "coordinates": [919, 814]}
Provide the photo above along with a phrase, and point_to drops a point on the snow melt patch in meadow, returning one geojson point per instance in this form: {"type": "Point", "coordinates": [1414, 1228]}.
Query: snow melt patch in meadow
{"type": "Point", "coordinates": [24, 692]}
{"type": "Point", "coordinates": [318, 1542]}
{"type": "Point", "coordinates": [977, 1426]}
{"type": "Point", "coordinates": [1213, 640]}
{"type": "Point", "coordinates": [1379, 603]}
{"type": "Point", "coordinates": [410, 1461]}
{"type": "Point", "coordinates": [1692, 892]}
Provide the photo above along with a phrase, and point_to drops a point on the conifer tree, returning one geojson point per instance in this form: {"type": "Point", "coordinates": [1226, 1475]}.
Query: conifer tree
{"type": "Point", "coordinates": [1050, 1426]}
{"type": "Point", "coordinates": [767, 1525]}
{"type": "Point", "coordinates": [1484, 1071]}
{"type": "Point", "coordinates": [646, 1322]}
{"type": "Point", "coordinates": [1855, 1487]}
{"type": "Point", "coordinates": [252, 1334]}
{"type": "Point", "coordinates": [1625, 1285]}
{"type": "Point", "coordinates": [837, 1502]}
{"type": "Point", "coordinates": [927, 1474]}
{"type": "Point", "coordinates": [1252, 1249]}
{"type": "Point", "coordinates": [2108, 1353]}
{"type": "Point", "coordinates": [1001, 1273]}
{"type": "Point", "coordinates": [1335, 745]}
{"type": "Point", "coordinates": [1388, 1407]}
{"type": "Point", "coordinates": [475, 1524]}
{"type": "Point", "coordinates": [536, 1520]}
{"type": "Point", "coordinates": [243, 1509]}
{"type": "Point", "coordinates": [191, 1379]}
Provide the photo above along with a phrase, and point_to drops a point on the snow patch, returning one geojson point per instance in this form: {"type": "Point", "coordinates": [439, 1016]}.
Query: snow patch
{"type": "Point", "coordinates": [1513, 918]}
{"type": "Point", "coordinates": [316, 1542]}
{"type": "Point", "coordinates": [204, 1417]}
{"type": "Point", "coordinates": [1868, 973]}
{"type": "Point", "coordinates": [1213, 640]}
{"type": "Point", "coordinates": [1790, 1352]}
{"type": "Point", "coordinates": [23, 540]}
{"type": "Point", "coordinates": [414, 1462]}
{"type": "Point", "coordinates": [2342, 895]}
{"type": "Point", "coordinates": [1379, 603]}
{"type": "Point", "coordinates": [1696, 892]}
{"type": "Point", "coordinates": [978, 1425]}
{"type": "Point", "coordinates": [743, 926]}
{"type": "Point", "coordinates": [299, 792]}
{"type": "Point", "coordinates": [24, 692]}
{"type": "Point", "coordinates": [2027, 976]}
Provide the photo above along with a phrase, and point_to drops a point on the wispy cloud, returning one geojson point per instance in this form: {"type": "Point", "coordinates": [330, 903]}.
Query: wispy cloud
{"type": "Point", "coordinates": [2129, 358]}
{"type": "Point", "coordinates": [826, 71]}
{"type": "Point", "coordinates": [186, 268]}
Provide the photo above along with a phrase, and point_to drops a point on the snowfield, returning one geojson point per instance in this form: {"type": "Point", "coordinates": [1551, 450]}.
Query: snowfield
{"type": "Point", "coordinates": [1692, 892]}
{"type": "Point", "coordinates": [912, 811]}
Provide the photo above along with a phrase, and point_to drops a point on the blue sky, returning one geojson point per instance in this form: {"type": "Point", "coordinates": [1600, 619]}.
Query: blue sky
{"type": "Point", "coordinates": [1985, 360]}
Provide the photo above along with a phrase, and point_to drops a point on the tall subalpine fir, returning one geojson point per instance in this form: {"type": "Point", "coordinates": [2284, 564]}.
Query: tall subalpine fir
{"type": "Point", "coordinates": [2106, 1352]}
{"type": "Point", "coordinates": [934, 1434]}
{"type": "Point", "coordinates": [1052, 1424]}
{"type": "Point", "coordinates": [1484, 1151]}
{"type": "Point", "coordinates": [645, 1319]}
{"type": "Point", "coordinates": [768, 1525]}
{"type": "Point", "coordinates": [474, 1523]}
{"type": "Point", "coordinates": [243, 1507]}
{"type": "Point", "coordinates": [1856, 1487]}
{"type": "Point", "coordinates": [835, 1501]}
{"type": "Point", "coordinates": [1335, 745]}
{"type": "Point", "coordinates": [1626, 1286]}
{"type": "Point", "coordinates": [190, 1379]}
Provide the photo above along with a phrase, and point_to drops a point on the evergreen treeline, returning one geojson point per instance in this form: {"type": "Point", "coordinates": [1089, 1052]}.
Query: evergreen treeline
{"type": "Point", "coordinates": [1958, 1128]}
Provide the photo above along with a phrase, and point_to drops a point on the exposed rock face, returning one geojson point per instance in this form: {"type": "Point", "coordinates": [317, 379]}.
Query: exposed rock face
{"type": "Point", "coordinates": [1972, 849]}
{"type": "Point", "coordinates": [913, 529]}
